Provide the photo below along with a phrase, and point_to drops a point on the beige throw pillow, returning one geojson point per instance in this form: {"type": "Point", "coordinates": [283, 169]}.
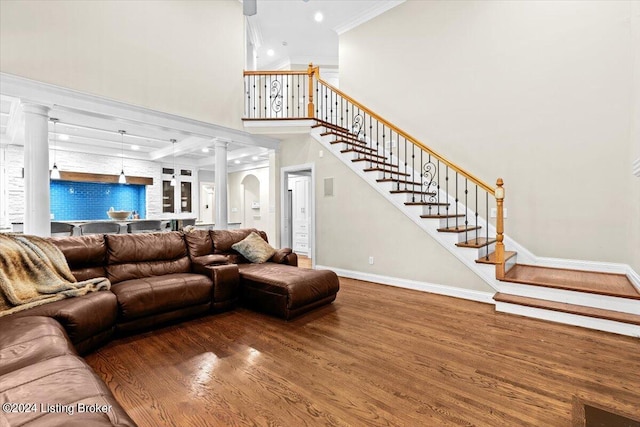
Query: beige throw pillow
{"type": "Point", "coordinates": [254, 248]}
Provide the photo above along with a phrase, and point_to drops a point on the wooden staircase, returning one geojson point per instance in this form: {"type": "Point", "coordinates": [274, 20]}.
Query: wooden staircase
{"type": "Point", "coordinates": [575, 293]}
{"type": "Point", "coordinates": [447, 202]}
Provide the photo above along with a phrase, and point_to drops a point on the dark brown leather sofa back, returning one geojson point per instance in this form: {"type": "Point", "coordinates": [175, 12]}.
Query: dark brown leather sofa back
{"type": "Point", "coordinates": [224, 239]}
{"type": "Point", "coordinates": [134, 256]}
{"type": "Point", "coordinates": [86, 255]}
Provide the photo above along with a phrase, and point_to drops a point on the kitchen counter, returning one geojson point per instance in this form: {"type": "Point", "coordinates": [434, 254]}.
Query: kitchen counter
{"type": "Point", "coordinates": [17, 227]}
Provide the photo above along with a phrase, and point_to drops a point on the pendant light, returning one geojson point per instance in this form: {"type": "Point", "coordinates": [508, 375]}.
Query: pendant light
{"type": "Point", "coordinates": [123, 178]}
{"type": "Point", "coordinates": [173, 177]}
{"type": "Point", "coordinates": [55, 173]}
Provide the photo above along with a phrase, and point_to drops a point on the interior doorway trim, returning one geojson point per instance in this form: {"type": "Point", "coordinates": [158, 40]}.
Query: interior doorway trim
{"type": "Point", "coordinates": [284, 180]}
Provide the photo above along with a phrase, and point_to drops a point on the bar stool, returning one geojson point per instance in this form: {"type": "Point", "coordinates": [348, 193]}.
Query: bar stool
{"type": "Point", "coordinates": [102, 227]}
{"type": "Point", "coordinates": [145, 226]}
{"type": "Point", "coordinates": [61, 229]}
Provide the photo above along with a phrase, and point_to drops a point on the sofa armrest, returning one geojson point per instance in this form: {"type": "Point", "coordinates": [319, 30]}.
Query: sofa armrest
{"type": "Point", "coordinates": [226, 284]}
{"type": "Point", "coordinates": [285, 256]}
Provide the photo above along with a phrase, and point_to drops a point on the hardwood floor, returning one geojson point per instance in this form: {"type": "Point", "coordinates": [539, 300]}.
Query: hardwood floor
{"type": "Point", "coordinates": [377, 356]}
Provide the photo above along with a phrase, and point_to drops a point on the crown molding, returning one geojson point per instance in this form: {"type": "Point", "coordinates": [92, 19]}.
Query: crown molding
{"type": "Point", "coordinates": [378, 9]}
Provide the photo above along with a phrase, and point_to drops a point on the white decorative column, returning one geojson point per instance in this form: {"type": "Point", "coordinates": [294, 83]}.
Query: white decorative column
{"type": "Point", "coordinates": [37, 217]}
{"type": "Point", "coordinates": [222, 218]}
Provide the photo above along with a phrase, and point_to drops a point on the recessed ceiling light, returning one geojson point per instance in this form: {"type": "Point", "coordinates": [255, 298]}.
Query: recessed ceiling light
{"type": "Point", "coordinates": [254, 158]}
{"type": "Point", "coordinates": [270, 52]}
{"type": "Point", "coordinates": [205, 150]}
{"type": "Point", "coordinates": [318, 17]}
{"type": "Point", "coordinates": [63, 137]}
{"type": "Point", "coordinates": [237, 162]}
{"type": "Point", "coordinates": [135, 147]}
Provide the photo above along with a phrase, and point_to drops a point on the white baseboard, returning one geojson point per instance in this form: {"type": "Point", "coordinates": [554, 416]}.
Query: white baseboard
{"type": "Point", "coordinates": [597, 266]}
{"type": "Point", "coordinates": [469, 294]}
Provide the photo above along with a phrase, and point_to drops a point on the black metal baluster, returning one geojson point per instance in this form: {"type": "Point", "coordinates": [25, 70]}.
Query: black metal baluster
{"type": "Point", "coordinates": [456, 200]}
{"type": "Point", "coordinates": [476, 211]}
{"type": "Point", "coordinates": [413, 171]}
{"type": "Point", "coordinates": [487, 221]}
{"type": "Point", "coordinates": [466, 219]}
{"type": "Point", "coordinates": [446, 179]}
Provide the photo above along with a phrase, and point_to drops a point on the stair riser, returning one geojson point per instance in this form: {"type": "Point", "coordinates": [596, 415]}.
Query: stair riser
{"type": "Point", "coordinates": [353, 155]}
{"type": "Point", "coordinates": [383, 175]}
{"type": "Point", "coordinates": [605, 302]}
{"type": "Point", "coordinates": [485, 250]}
{"type": "Point", "coordinates": [345, 146]}
{"type": "Point", "coordinates": [570, 319]}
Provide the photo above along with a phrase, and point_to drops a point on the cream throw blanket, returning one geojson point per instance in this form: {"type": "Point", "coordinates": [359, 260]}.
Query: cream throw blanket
{"type": "Point", "coordinates": [33, 271]}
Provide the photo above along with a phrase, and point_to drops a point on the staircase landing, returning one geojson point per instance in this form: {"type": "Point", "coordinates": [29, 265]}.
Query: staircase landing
{"type": "Point", "coordinates": [611, 284]}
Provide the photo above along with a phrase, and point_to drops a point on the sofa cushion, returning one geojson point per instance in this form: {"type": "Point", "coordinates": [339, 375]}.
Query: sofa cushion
{"type": "Point", "coordinates": [60, 387]}
{"type": "Point", "coordinates": [301, 286]}
{"type": "Point", "coordinates": [29, 340]}
{"type": "Point", "coordinates": [254, 248]}
{"type": "Point", "coordinates": [86, 255]}
{"type": "Point", "coordinates": [224, 239]}
{"type": "Point", "coordinates": [135, 256]}
{"type": "Point", "coordinates": [158, 294]}
{"type": "Point", "coordinates": [199, 243]}
{"type": "Point", "coordinates": [82, 317]}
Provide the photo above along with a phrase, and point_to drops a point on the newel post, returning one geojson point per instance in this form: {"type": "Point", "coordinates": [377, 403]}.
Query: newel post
{"type": "Point", "coordinates": [499, 193]}
{"type": "Point", "coordinates": [310, 108]}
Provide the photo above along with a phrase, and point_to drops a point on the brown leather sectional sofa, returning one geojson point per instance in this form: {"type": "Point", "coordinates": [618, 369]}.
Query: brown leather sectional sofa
{"type": "Point", "coordinates": [155, 278]}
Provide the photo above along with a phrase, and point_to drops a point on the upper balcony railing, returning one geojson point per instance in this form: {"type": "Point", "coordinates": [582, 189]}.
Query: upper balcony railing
{"type": "Point", "coordinates": [445, 189]}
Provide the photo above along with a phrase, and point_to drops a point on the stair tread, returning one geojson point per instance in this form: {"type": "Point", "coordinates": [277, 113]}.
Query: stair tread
{"type": "Point", "coordinates": [322, 123]}
{"type": "Point", "coordinates": [441, 216]}
{"type": "Point", "coordinates": [610, 284]}
{"type": "Point", "coordinates": [359, 151]}
{"type": "Point", "coordinates": [411, 192]}
{"type": "Point", "coordinates": [346, 135]}
{"type": "Point", "coordinates": [616, 316]}
{"type": "Point", "coordinates": [401, 181]}
{"type": "Point", "coordinates": [478, 243]}
{"type": "Point", "coordinates": [491, 258]}
{"type": "Point", "coordinates": [375, 161]}
{"type": "Point", "coordinates": [391, 172]}
{"type": "Point", "coordinates": [426, 204]}
{"type": "Point", "coordinates": [355, 145]}
{"type": "Point", "coordinates": [461, 228]}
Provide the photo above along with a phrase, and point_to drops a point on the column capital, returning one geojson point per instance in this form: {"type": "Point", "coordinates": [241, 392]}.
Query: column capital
{"type": "Point", "coordinates": [222, 143]}
{"type": "Point", "coordinates": [33, 108]}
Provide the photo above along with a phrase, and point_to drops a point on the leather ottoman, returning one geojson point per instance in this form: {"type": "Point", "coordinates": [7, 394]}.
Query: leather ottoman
{"type": "Point", "coordinates": [284, 290]}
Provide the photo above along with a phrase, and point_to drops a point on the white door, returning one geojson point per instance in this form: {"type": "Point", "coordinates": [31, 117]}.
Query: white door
{"type": "Point", "coordinates": [207, 200]}
{"type": "Point", "coordinates": [300, 187]}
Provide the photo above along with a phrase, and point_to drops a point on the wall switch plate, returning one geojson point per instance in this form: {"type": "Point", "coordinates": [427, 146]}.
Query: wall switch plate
{"type": "Point", "coordinates": [370, 260]}
{"type": "Point", "coordinates": [234, 209]}
{"type": "Point", "coordinates": [321, 154]}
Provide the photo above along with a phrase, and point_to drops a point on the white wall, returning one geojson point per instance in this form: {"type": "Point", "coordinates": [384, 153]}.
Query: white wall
{"type": "Point", "coordinates": [81, 162]}
{"type": "Point", "coordinates": [179, 57]}
{"type": "Point", "coordinates": [539, 93]}
{"type": "Point", "coordinates": [357, 222]}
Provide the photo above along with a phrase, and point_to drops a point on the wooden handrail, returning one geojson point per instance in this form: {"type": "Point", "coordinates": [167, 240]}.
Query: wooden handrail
{"type": "Point", "coordinates": [399, 131]}
{"type": "Point", "coordinates": [274, 73]}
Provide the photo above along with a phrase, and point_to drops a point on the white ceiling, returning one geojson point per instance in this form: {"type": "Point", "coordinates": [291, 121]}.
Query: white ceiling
{"type": "Point", "coordinates": [276, 21]}
{"type": "Point", "coordinates": [291, 22]}
{"type": "Point", "coordinates": [84, 132]}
